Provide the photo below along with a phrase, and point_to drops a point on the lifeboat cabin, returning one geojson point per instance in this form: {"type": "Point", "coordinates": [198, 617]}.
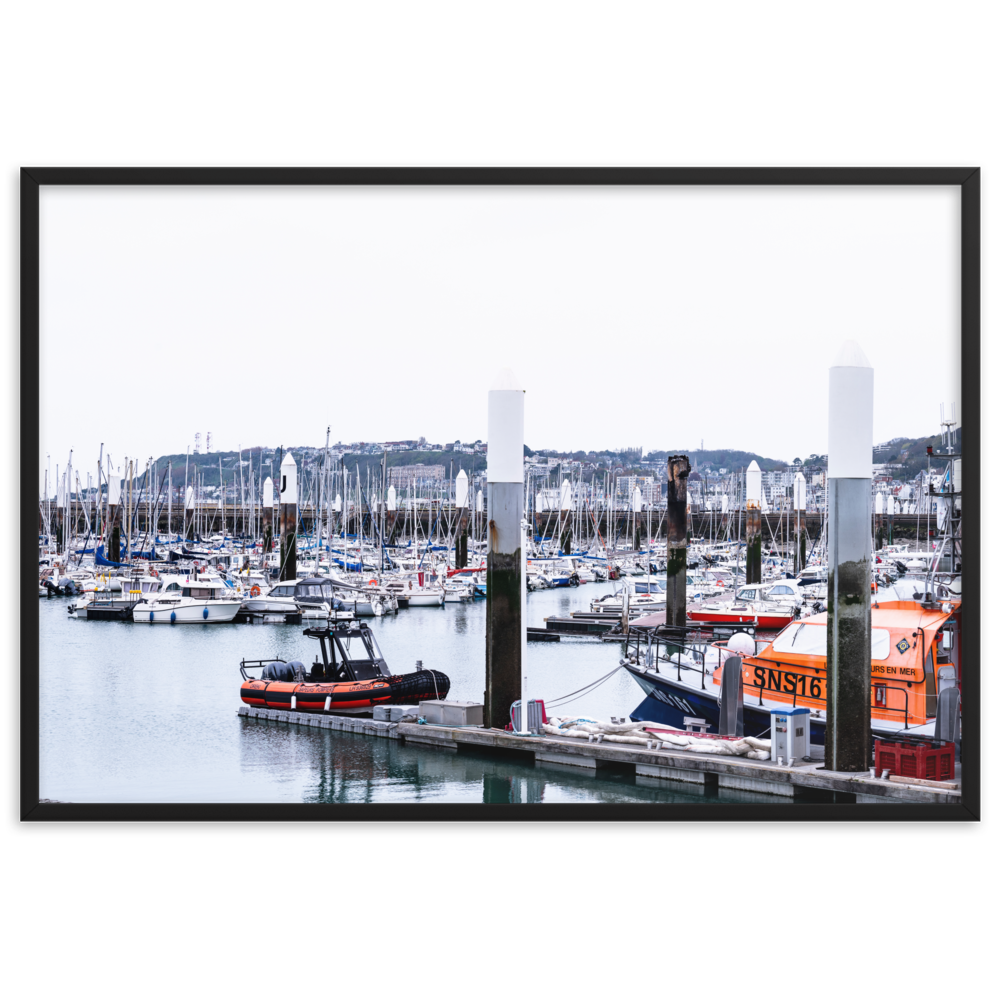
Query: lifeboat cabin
{"type": "Point", "coordinates": [915, 650]}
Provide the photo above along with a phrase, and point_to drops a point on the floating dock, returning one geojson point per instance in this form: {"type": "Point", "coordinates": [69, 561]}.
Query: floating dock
{"type": "Point", "coordinates": [806, 779]}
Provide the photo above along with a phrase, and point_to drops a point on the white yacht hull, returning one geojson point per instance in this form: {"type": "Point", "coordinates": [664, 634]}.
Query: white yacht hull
{"type": "Point", "coordinates": [425, 600]}
{"type": "Point", "coordinates": [187, 612]}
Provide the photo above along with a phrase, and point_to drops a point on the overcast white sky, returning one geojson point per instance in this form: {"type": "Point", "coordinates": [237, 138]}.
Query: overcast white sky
{"type": "Point", "coordinates": [658, 317]}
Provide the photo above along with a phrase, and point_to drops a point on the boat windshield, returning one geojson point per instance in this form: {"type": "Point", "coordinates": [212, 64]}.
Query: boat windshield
{"type": "Point", "coordinates": [648, 588]}
{"type": "Point", "coordinates": [361, 653]}
{"type": "Point", "coordinates": [810, 640]}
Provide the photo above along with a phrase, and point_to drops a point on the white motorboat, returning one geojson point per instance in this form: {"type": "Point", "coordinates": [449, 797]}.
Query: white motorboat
{"type": "Point", "coordinates": [313, 596]}
{"type": "Point", "coordinates": [112, 603]}
{"type": "Point", "coordinates": [417, 590]}
{"type": "Point", "coordinates": [646, 596]}
{"type": "Point", "coordinates": [457, 592]}
{"type": "Point", "coordinates": [202, 599]}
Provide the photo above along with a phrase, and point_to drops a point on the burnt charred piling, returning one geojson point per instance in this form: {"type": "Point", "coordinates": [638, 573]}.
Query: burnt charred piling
{"type": "Point", "coordinates": [678, 469]}
{"type": "Point", "coordinates": [267, 514]}
{"type": "Point", "coordinates": [288, 515]}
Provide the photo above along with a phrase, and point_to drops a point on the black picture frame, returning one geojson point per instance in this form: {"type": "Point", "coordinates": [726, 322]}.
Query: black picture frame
{"type": "Point", "coordinates": [966, 178]}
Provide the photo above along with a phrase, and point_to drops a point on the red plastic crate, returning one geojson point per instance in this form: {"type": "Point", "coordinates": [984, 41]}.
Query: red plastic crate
{"type": "Point", "coordinates": [934, 761]}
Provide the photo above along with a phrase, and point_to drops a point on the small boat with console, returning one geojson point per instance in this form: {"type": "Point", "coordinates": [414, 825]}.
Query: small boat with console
{"type": "Point", "coordinates": [349, 675]}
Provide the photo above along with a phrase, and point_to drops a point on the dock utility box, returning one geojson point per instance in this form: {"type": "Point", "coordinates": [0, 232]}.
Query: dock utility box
{"type": "Point", "coordinates": [452, 713]}
{"type": "Point", "coordinates": [536, 716]}
{"type": "Point", "coordinates": [789, 733]}
{"type": "Point", "coordinates": [396, 713]}
{"type": "Point", "coordinates": [912, 757]}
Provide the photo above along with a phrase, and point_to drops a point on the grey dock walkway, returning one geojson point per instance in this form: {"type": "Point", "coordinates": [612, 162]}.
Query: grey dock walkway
{"type": "Point", "coordinates": [761, 776]}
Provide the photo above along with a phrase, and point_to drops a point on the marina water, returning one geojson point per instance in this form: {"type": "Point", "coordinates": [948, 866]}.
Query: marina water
{"type": "Point", "coordinates": [146, 713]}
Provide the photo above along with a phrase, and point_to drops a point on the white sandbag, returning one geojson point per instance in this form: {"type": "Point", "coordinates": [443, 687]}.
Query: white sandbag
{"type": "Point", "coordinates": [556, 731]}
{"type": "Point", "coordinates": [675, 739]}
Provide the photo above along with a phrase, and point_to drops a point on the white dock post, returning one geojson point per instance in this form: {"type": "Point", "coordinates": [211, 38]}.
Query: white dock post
{"type": "Point", "coordinates": [848, 642]}
{"type": "Point", "coordinates": [288, 516]}
{"type": "Point", "coordinates": [505, 482]}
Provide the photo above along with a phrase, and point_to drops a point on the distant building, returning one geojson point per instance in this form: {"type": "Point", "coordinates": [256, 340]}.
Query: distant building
{"type": "Point", "coordinates": [649, 487]}
{"type": "Point", "coordinates": [423, 475]}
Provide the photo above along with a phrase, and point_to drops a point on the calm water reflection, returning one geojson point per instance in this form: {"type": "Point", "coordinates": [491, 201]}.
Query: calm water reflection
{"type": "Point", "coordinates": [147, 713]}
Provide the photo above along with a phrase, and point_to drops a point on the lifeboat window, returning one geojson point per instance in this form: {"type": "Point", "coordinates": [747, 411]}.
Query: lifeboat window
{"type": "Point", "coordinates": [810, 640]}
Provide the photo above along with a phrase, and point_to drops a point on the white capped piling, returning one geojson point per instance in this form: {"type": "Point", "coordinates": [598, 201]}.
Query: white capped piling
{"type": "Point", "coordinates": [268, 512]}
{"type": "Point", "coordinates": [848, 641]}
{"type": "Point", "coordinates": [890, 510]}
{"type": "Point", "coordinates": [678, 470]}
{"type": "Point", "coordinates": [879, 512]}
{"type": "Point", "coordinates": [288, 515]}
{"type": "Point", "coordinates": [505, 483]}
{"type": "Point", "coordinates": [636, 520]}
{"type": "Point", "coordinates": [754, 494]}
{"type": "Point", "coordinates": [189, 514]}
{"type": "Point", "coordinates": [60, 510]}
{"type": "Point", "coordinates": [391, 503]}
{"type": "Point", "coordinates": [114, 528]}
{"type": "Point", "coordinates": [462, 509]}
{"type": "Point", "coordinates": [565, 518]}
{"type": "Point", "coordinates": [799, 501]}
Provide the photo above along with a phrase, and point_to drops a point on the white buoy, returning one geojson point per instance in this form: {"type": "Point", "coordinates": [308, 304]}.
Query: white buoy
{"type": "Point", "coordinates": [390, 498]}
{"type": "Point", "coordinates": [637, 501]}
{"type": "Point", "coordinates": [461, 490]}
{"type": "Point", "coordinates": [479, 501]}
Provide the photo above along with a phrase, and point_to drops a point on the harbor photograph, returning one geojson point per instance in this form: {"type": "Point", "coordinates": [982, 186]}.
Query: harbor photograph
{"type": "Point", "coordinates": [517, 499]}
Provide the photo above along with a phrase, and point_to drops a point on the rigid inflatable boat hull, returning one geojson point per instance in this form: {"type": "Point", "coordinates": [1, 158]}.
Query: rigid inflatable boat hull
{"type": "Point", "coordinates": [401, 689]}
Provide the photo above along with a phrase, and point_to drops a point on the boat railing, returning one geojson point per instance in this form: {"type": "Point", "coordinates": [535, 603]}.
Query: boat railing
{"type": "Point", "coordinates": [246, 665]}
{"type": "Point", "coordinates": [879, 689]}
{"type": "Point", "coordinates": [883, 688]}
